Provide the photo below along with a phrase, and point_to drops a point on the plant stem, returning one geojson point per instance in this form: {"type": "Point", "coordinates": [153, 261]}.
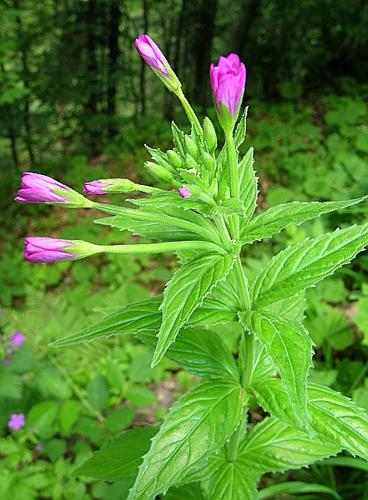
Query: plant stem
{"type": "Point", "coordinates": [171, 246]}
{"type": "Point", "coordinates": [232, 158]}
{"type": "Point", "coordinates": [242, 283]}
{"type": "Point", "coordinates": [192, 117]}
{"type": "Point", "coordinates": [232, 447]}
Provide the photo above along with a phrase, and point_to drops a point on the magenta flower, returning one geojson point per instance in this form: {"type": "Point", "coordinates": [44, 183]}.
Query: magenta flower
{"type": "Point", "coordinates": [95, 187]}
{"type": "Point", "coordinates": [151, 54]}
{"type": "Point", "coordinates": [38, 188]}
{"type": "Point", "coordinates": [228, 83]}
{"type": "Point", "coordinates": [37, 249]}
{"type": "Point", "coordinates": [17, 339]}
{"type": "Point", "coordinates": [16, 421]}
{"type": "Point", "coordinates": [184, 192]}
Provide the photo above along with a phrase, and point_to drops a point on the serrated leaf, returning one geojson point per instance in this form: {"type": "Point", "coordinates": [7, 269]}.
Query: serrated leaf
{"type": "Point", "coordinates": [248, 190]}
{"type": "Point", "coordinates": [276, 218]}
{"type": "Point", "coordinates": [303, 265]}
{"type": "Point", "coordinates": [241, 129]}
{"type": "Point", "coordinates": [198, 425]}
{"type": "Point", "coordinates": [275, 446]}
{"type": "Point", "coordinates": [186, 292]}
{"type": "Point", "coordinates": [212, 312]}
{"type": "Point", "coordinates": [292, 308]}
{"type": "Point", "coordinates": [143, 315]}
{"type": "Point", "coordinates": [119, 458]}
{"type": "Point", "coordinates": [230, 206]}
{"type": "Point", "coordinates": [290, 348]}
{"type": "Point", "coordinates": [230, 481]}
{"type": "Point", "coordinates": [334, 418]}
{"type": "Point", "coordinates": [201, 352]}
{"type": "Point", "coordinates": [154, 223]}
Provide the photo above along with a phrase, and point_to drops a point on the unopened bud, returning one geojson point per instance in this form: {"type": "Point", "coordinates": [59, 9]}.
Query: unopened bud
{"type": "Point", "coordinates": [159, 172]}
{"type": "Point", "coordinates": [208, 161]}
{"type": "Point", "coordinates": [209, 134]}
{"type": "Point", "coordinates": [174, 159]}
{"type": "Point", "coordinates": [191, 147]}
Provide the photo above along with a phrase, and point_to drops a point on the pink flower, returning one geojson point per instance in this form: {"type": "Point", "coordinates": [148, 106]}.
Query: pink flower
{"type": "Point", "coordinates": [16, 421]}
{"type": "Point", "coordinates": [17, 339]}
{"type": "Point", "coordinates": [184, 192]}
{"type": "Point", "coordinates": [228, 82]}
{"type": "Point", "coordinates": [37, 249]}
{"type": "Point", "coordinates": [38, 188]}
{"type": "Point", "coordinates": [95, 187]}
{"type": "Point", "coordinates": [151, 53]}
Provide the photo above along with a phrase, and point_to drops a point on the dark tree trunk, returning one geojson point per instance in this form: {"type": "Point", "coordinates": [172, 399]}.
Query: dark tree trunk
{"type": "Point", "coordinates": [142, 79]}
{"type": "Point", "coordinates": [27, 84]}
{"type": "Point", "coordinates": [203, 46]}
{"type": "Point", "coordinates": [248, 11]}
{"type": "Point", "coordinates": [112, 72]}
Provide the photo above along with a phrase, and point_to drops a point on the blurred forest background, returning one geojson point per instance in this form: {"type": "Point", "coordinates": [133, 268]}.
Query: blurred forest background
{"type": "Point", "coordinates": [77, 103]}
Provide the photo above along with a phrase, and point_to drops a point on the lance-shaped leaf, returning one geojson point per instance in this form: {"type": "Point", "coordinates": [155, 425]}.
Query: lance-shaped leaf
{"type": "Point", "coordinates": [303, 265]}
{"type": "Point", "coordinates": [198, 425]}
{"type": "Point", "coordinates": [290, 348]}
{"type": "Point", "coordinates": [201, 352]}
{"type": "Point", "coordinates": [276, 218]}
{"type": "Point", "coordinates": [186, 292]}
{"type": "Point", "coordinates": [334, 418]}
{"type": "Point", "coordinates": [143, 315]}
{"type": "Point", "coordinates": [178, 225]}
{"type": "Point", "coordinates": [119, 458]}
{"type": "Point", "coordinates": [248, 185]}
{"type": "Point", "coordinates": [275, 446]}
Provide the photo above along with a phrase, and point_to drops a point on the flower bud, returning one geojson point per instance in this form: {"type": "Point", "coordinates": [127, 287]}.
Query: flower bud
{"type": "Point", "coordinates": [190, 162]}
{"type": "Point", "coordinates": [191, 147]}
{"type": "Point", "coordinates": [209, 161]}
{"type": "Point", "coordinates": [103, 186]}
{"type": "Point", "coordinates": [174, 159]}
{"type": "Point", "coordinates": [38, 188]}
{"type": "Point", "coordinates": [209, 134]}
{"type": "Point", "coordinates": [152, 55]}
{"type": "Point", "coordinates": [228, 84]}
{"type": "Point", "coordinates": [184, 192]}
{"type": "Point", "coordinates": [159, 172]}
{"type": "Point", "coordinates": [39, 249]}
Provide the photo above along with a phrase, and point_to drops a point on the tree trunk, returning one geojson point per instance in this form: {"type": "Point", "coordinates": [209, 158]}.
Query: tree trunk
{"type": "Point", "coordinates": [248, 11]}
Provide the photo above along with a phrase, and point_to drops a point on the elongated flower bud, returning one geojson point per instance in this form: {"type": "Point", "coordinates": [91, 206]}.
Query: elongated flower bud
{"type": "Point", "coordinates": [38, 188]}
{"type": "Point", "coordinates": [228, 84]}
{"type": "Point", "coordinates": [44, 249]}
{"type": "Point", "coordinates": [153, 56]}
{"type": "Point", "coordinates": [209, 134]}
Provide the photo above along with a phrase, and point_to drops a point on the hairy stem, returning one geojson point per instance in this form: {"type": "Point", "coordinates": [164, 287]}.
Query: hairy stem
{"type": "Point", "coordinates": [232, 159]}
{"type": "Point", "coordinates": [192, 117]}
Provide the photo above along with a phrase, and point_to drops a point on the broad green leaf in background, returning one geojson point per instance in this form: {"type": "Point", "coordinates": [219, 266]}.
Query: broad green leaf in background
{"type": "Point", "coordinates": [187, 492]}
{"type": "Point", "coordinates": [334, 417]}
{"type": "Point", "coordinates": [276, 218]}
{"type": "Point", "coordinates": [186, 292]}
{"type": "Point", "coordinates": [143, 315]}
{"type": "Point", "coordinates": [248, 190]}
{"type": "Point", "coordinates": [198, 425]}
{"type": "Point", "coordinates": [200, 352]}
{"type": "Point", "coordinates": [119, 458]}
{"type": "Point", "coordinates": [305, 264]}
{"type": "Point", "coordinates": [290, 348]}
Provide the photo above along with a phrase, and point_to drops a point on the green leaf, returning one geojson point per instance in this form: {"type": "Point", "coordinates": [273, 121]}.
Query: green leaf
{"type": "Point", "coordinates": [212, 312]}
{"type": "Point", "coordinates": [167, 223]}
{"type": "Point", "coordinates": [143, 315]}
{"type": "Point", "coordinates": [186, 492]}
{"type": "Point", "coordinates": [201, 352]}
{"type": "Point", "coordinates": [292, 308]}
{"type": "Point", "coordinates": [198, 425]}
{"type": "Point", "coordinates": [247, 185]}
{"type": "Point", "coordinates": [290, 348]}
{"type": "Point", "coordinates": [241, 129]}
{"type": "Point", "coordinates": [230, 481]}
{"type": "Point", "coordinates": [119, 458]}
{"type": "Point", "coordinates": [120, 419]}
{"type": "Point", "coordinates": [334, 418]}
{"type": "Point", "coordinates": [185, 292]}
{"type": "Point", "coordinates": [303, 265]}
{"type": "Point", "coordinates": [275, 446]}
{"type": "Point", "coordinates": [276, 218]}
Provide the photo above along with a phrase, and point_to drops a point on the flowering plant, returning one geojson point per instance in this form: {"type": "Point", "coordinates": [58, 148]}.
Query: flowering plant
{"type": "Point", "coordinates": [206, 439]}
